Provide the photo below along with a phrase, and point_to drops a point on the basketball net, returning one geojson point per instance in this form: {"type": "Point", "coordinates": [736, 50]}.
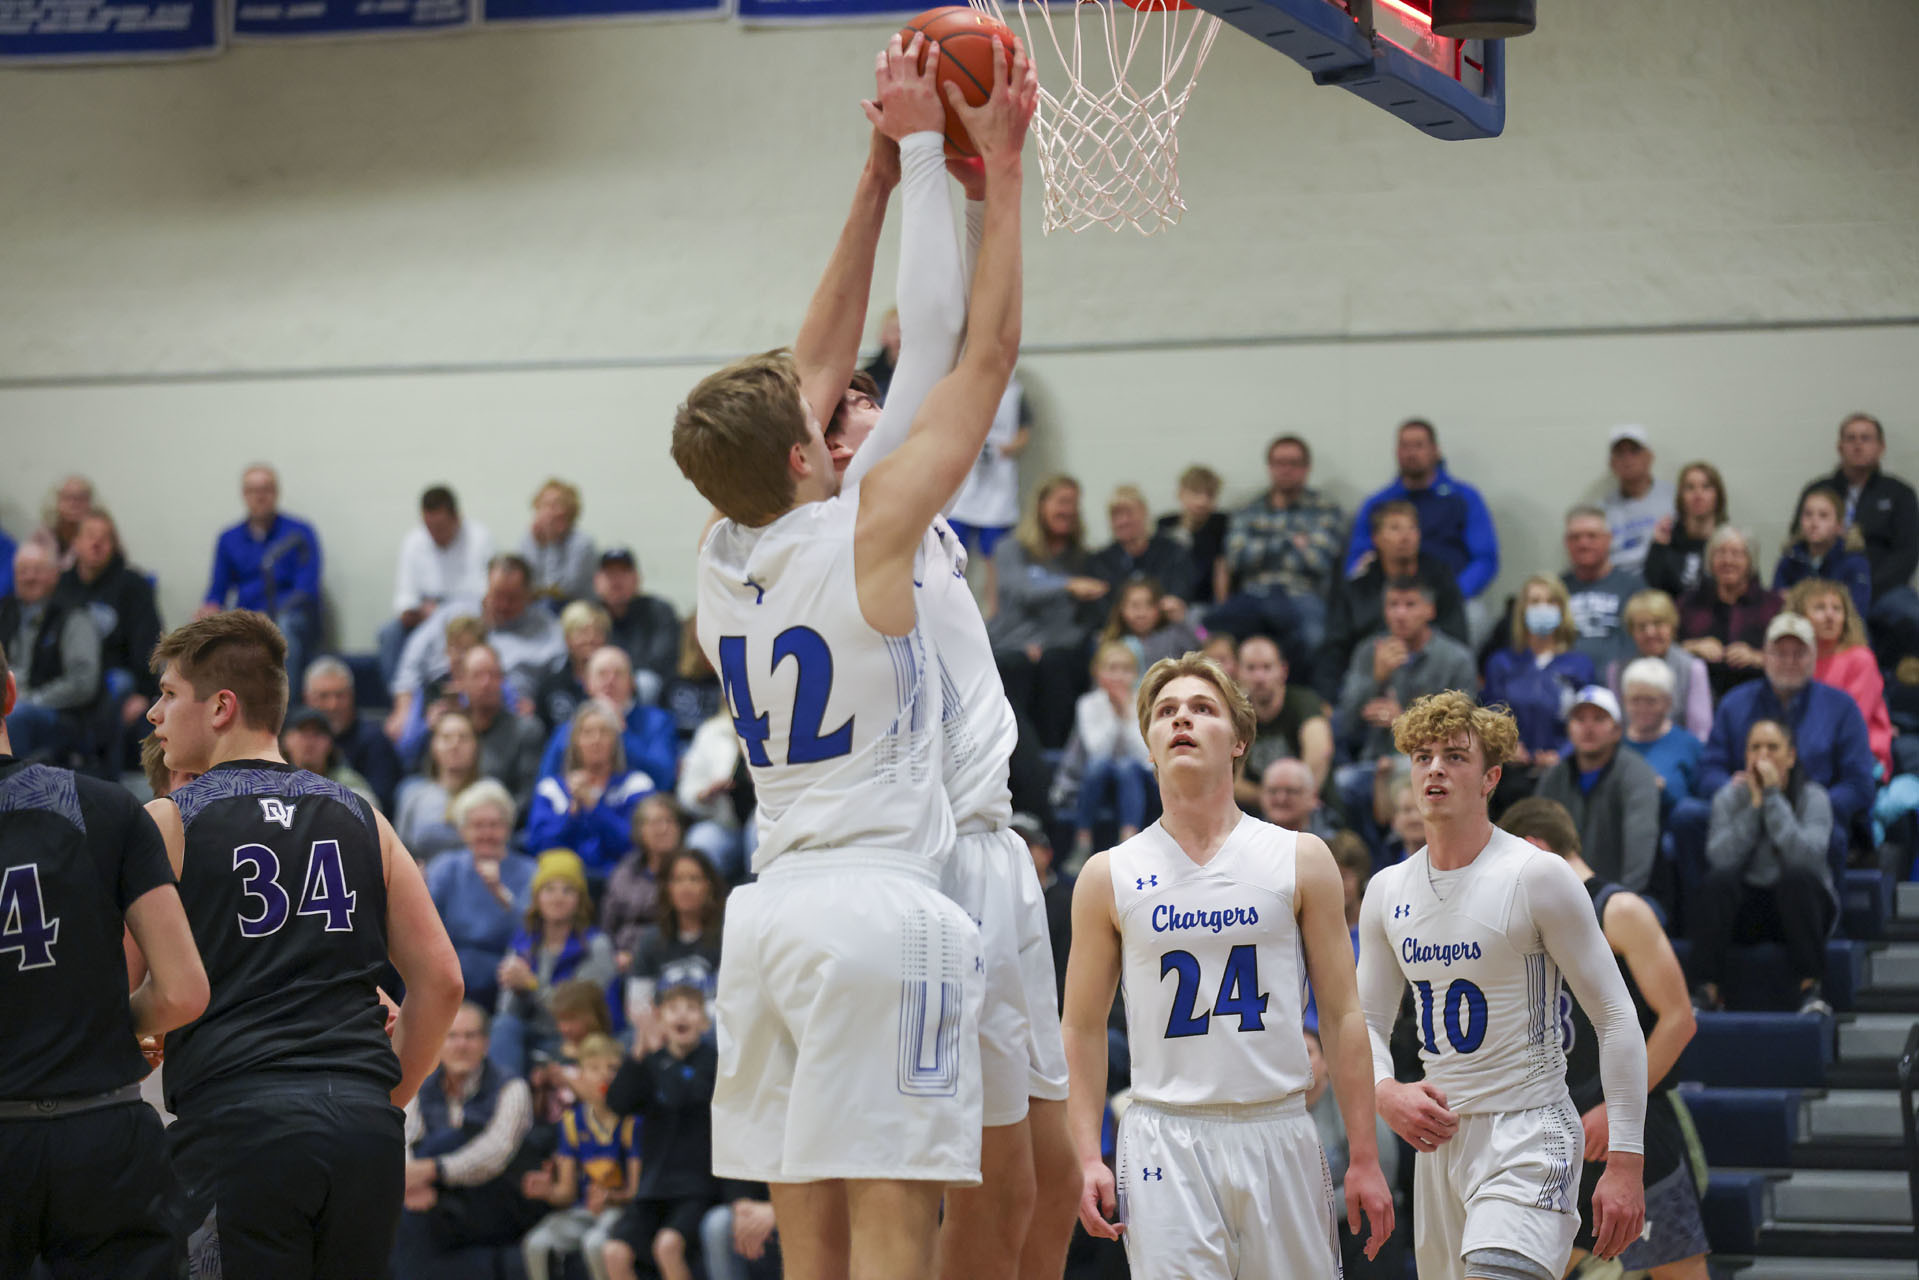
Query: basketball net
{"type": "Point", "coordinates": [1109, 139]}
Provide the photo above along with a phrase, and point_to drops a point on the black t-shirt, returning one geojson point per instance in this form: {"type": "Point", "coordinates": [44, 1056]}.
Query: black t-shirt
{"type": "Point", "coordinates": [75, 853]}
{"type": "Point", "coordinates": [677, 962]}
{"type": "Point", "coordinates": [286, 892]}
{"type": "Point", "coordinates": [1278, 738]}
{"type": "Point", "coordinates": [674, 1099]}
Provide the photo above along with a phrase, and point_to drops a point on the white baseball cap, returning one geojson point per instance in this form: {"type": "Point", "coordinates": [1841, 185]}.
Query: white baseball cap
{"type": "Point", "coordinates": [1598, 695]}
{"type": "Point", "coordinates": [1630, 431]}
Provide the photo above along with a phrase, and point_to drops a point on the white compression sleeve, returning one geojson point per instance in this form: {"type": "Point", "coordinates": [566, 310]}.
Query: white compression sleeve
{"type": "Point", "coordinates": [932, 298]}
{"type": "Point", "coordinates": [975, 232]}
{"type": "Point", "coordinates": [1562, 911]}
{"type": "Point", "coordinates": [1381, 982]}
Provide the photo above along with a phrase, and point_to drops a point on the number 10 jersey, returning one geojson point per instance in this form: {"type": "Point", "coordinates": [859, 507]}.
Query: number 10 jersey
{"type": "Point", "coordinates": [839, 723]}
{"type": "Point", "coordinates": [1212, 967]}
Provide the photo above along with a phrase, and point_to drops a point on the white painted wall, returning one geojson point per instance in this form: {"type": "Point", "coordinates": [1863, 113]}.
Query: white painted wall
{"type": "Point", "coordinates": [386, 264]}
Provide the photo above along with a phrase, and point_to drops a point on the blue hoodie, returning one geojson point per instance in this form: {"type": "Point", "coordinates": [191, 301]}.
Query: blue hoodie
{"type": "Point", "coordinates": [1453, 525]}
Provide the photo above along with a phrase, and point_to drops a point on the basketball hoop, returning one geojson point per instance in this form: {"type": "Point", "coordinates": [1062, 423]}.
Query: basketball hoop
{"type": "Point", "coordinates": [1109, 139]}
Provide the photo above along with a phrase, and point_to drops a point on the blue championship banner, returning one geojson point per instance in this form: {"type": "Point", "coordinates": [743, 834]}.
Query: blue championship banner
{"type": "Point", "coordinates": [278, 19]}
{"type": "Point", "coordinates": [517, 11]}
{"type": "Point", "coordinates": [45, 31]}
{"type": "Point", "coordinates": [822, 10]}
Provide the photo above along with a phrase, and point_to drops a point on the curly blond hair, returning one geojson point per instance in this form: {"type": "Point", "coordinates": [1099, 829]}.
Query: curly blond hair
{"type": "Point", "coordinates": [1441, 717]}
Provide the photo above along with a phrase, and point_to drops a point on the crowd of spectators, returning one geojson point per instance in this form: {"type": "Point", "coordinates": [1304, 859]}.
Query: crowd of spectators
{"type": "Point", "coordinates": [554, 748]}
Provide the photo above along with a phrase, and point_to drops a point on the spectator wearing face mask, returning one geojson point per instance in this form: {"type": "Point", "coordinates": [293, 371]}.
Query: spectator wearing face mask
{"type": "Point", "coordinates": [1538, 678]}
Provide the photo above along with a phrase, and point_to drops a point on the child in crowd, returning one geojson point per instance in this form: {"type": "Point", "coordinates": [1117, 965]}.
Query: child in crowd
{"type": "Point", "coordinates": [671, 1092]}
{"type": "Point", "coordinates": [595, 1171]}
{"type": "Point", "coordinates": [1106, 757]}
{"type": "Point", "coordinates": [1823, 547]}
{"type": "Point", "coordinates": [1141, 622]}
{"type": "Point", "coordinates": [1199, 527]}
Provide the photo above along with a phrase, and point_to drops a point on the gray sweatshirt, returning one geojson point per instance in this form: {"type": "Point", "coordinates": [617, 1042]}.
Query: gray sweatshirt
{"type": "Point", "coordinates": [1760, 841]}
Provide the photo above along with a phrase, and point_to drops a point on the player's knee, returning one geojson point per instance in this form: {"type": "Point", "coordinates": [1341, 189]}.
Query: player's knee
{"type": "Point", "coordinates": [618, 1254]}
{"type": "Point", "coordinates": [669, 1246]}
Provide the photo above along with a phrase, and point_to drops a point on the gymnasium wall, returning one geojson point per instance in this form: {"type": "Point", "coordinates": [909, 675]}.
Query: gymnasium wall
{"type": "Point", "coordinates": [487, 257]}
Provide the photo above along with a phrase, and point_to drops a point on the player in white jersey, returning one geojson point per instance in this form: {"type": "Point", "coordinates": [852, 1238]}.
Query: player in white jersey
{"type": "Point", "coordinates": [1484, 925]}
{"type": "Point", "coordinates": [848, 1074]}
{"type": "Point", "coordinates": [1206, 915]}
{"type": "Point", "coordinates": [1019, 1220]}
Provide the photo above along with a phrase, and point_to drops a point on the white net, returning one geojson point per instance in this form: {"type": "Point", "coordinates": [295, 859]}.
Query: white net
{"type": "Point", "coordinates": [1109, 136]}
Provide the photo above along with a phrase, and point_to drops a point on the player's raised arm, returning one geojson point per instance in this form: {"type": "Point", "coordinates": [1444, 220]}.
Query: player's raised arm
{"type": "Point", "coordinates": [1092, 979]}
{"type": "Point", "coordinates": [932, 290]}
{"type": "Point", "coordinates": [421, 951]}
{"type": "Point", "coordinates": [1563, 914]}
{"type": "Point", "coordinates": [828, 345]}
{"type": "Point", "coordinates": [910, 488]}
{"type": "Point", "coordinates": [1343, 1034]}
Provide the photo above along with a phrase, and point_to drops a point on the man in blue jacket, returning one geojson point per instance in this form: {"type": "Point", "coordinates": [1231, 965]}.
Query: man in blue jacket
{"type": "Point", "coordinates": [1829, 736]}
{"type": "Point", "coordinates": [1454, 524]}
{"type": "Point", "coordinates": [269, 562]}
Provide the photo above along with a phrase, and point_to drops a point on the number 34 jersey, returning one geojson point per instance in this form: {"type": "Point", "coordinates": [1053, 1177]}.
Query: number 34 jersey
{"type": "Point", "coordinates": [285, 890]}
{"type": "Point", "coordinates": [1212, 967]}
{"type": "Point", "coordinates": [1485, 992]}
{"type": "Point", "coordinates": [839, 723]}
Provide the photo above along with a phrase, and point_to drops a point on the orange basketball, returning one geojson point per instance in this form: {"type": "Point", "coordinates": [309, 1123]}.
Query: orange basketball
{"type": "Point", "coordinates": [967, 39]}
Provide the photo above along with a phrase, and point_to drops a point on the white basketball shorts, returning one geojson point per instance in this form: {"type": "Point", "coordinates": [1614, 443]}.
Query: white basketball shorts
{"type": "Point", "coordinates": [847, 1018]}
{"type": "Point", "coordinates": [1212, 1193]}
{"type": "Point", "coordinates": [1506, 1180]}
{"type": "Point", "coordinates": [1022, 1055]}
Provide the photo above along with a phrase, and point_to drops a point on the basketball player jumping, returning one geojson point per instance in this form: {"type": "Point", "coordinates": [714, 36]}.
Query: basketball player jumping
{"type": "Point", "coordinates": [288, 1139]}
{"type": "Point", "coordinates": [1205, 914]}
{"type": "Point", "coordinates": [849, 986]}
{"type": "Point", "coordinates": [1019, 1220]}
{"type": "Point", "coordinates": [1484, 925]}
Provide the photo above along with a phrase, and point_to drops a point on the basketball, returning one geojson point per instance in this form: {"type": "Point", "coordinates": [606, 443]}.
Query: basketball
{"type": "Point", "coordinates": [966, 39]}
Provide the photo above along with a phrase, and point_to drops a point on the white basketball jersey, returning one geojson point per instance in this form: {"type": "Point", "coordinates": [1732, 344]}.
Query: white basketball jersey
{"type": "Point", "coordinates": [989, 496]}
{"type": "Point", "coordinates": [836, 720]}
{"type": "Point", "coordinates": [975, 717]}
{"type": "Point", "coordinates": [1485, 993]}
{"type": "Point", "coordinates": [1212, 967]}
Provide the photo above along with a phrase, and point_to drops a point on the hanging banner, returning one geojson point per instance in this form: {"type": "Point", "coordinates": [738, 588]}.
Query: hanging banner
{"type": "Point", "coordinates": [48, 31]}
{"type": "Point", "coordinates": [520, 11]}
{"type": "Point", "coordinates": [822, 10]}
{"type": "Point", "coordinates": [279, 19]}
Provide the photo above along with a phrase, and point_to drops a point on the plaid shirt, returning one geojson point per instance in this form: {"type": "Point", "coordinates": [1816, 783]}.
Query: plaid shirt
{"type": "Point", "coordinates": [1261, 551]}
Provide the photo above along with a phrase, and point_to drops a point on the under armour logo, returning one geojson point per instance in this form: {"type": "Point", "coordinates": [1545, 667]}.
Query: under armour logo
{"type": "Point", "coordinates": [979, 964]}
{"type": "Point", "coordinates": [760, 598]}
{"type": "Point", "coordinates": [1401, 911]}
{"type": "Point", "coordinates": [1153, 1175]}
{"type": "Point", "coordinates": [1140, 882]}
{"type": "Point", "coordinates": [277, 811]}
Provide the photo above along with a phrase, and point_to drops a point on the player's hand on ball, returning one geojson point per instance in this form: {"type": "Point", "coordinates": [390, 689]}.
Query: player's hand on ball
{"type": "Point", "coordinates": [970, 173]}
{"type": "Point", "coordinates": [1619, 1204]}
{"type": "Point", "coordinates": [906, 80]}
{"type": "Point", "coordinates": [1099, 1198]}
{"type": "Point", "coordinates": [1416, 1112]}
{"type": "Point", "coordinates": [1366, 1191]}
{"type": "Point", "coordinates": [998, 127]}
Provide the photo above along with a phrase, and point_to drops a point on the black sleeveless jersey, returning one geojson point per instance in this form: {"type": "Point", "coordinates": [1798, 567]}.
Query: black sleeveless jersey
{"type": "Point", "coordinates": [1582, 1044]}
{"type": "Point", "coordinates": [285, 890]}
{"type": "Point", "coordinates": [74, 854]}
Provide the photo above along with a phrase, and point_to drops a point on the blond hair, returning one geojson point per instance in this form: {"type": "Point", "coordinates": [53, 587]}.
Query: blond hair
{"type": "Point", "coordinates": [1200, 479]}
{"type": "Point", "coordinates": [569, 496]}
{"type": "Point", "coordinates": [1805, 591]}
{"type": "Point", "coordinates": [733, 435]}
{"type": "Point", "coordinates": [1114, 649]}
{"type": "Point", "coordinates": [1031, 533]}
{"type": "Point", "coordinates": [1239, 708]}
{"type": "Point", "coordinates": [1567, 635]}
{"type": "Point", "coordinates": [594, 709]}
{"type": "Point", "coordinates": [1650, 605]}
{"type": "Point", "coordinates": [599, 1047]}
{"type": "Point", "coordinates": [1441, 717]}
{"type": "Point", "coordinates": [582, 614]}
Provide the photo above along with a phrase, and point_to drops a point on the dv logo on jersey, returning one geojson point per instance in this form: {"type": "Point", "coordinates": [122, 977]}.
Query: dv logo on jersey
{"type": "Point", "coordinates": [1141, 882]}
{"type": "Point", "coordinates": [276, 811]}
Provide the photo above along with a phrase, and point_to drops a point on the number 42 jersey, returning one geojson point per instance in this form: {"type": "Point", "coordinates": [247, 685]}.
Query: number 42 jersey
{"type": "Point", "coordinates": [1212, 967]}
{"type": "Point", "coordinates": [839, 723]}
